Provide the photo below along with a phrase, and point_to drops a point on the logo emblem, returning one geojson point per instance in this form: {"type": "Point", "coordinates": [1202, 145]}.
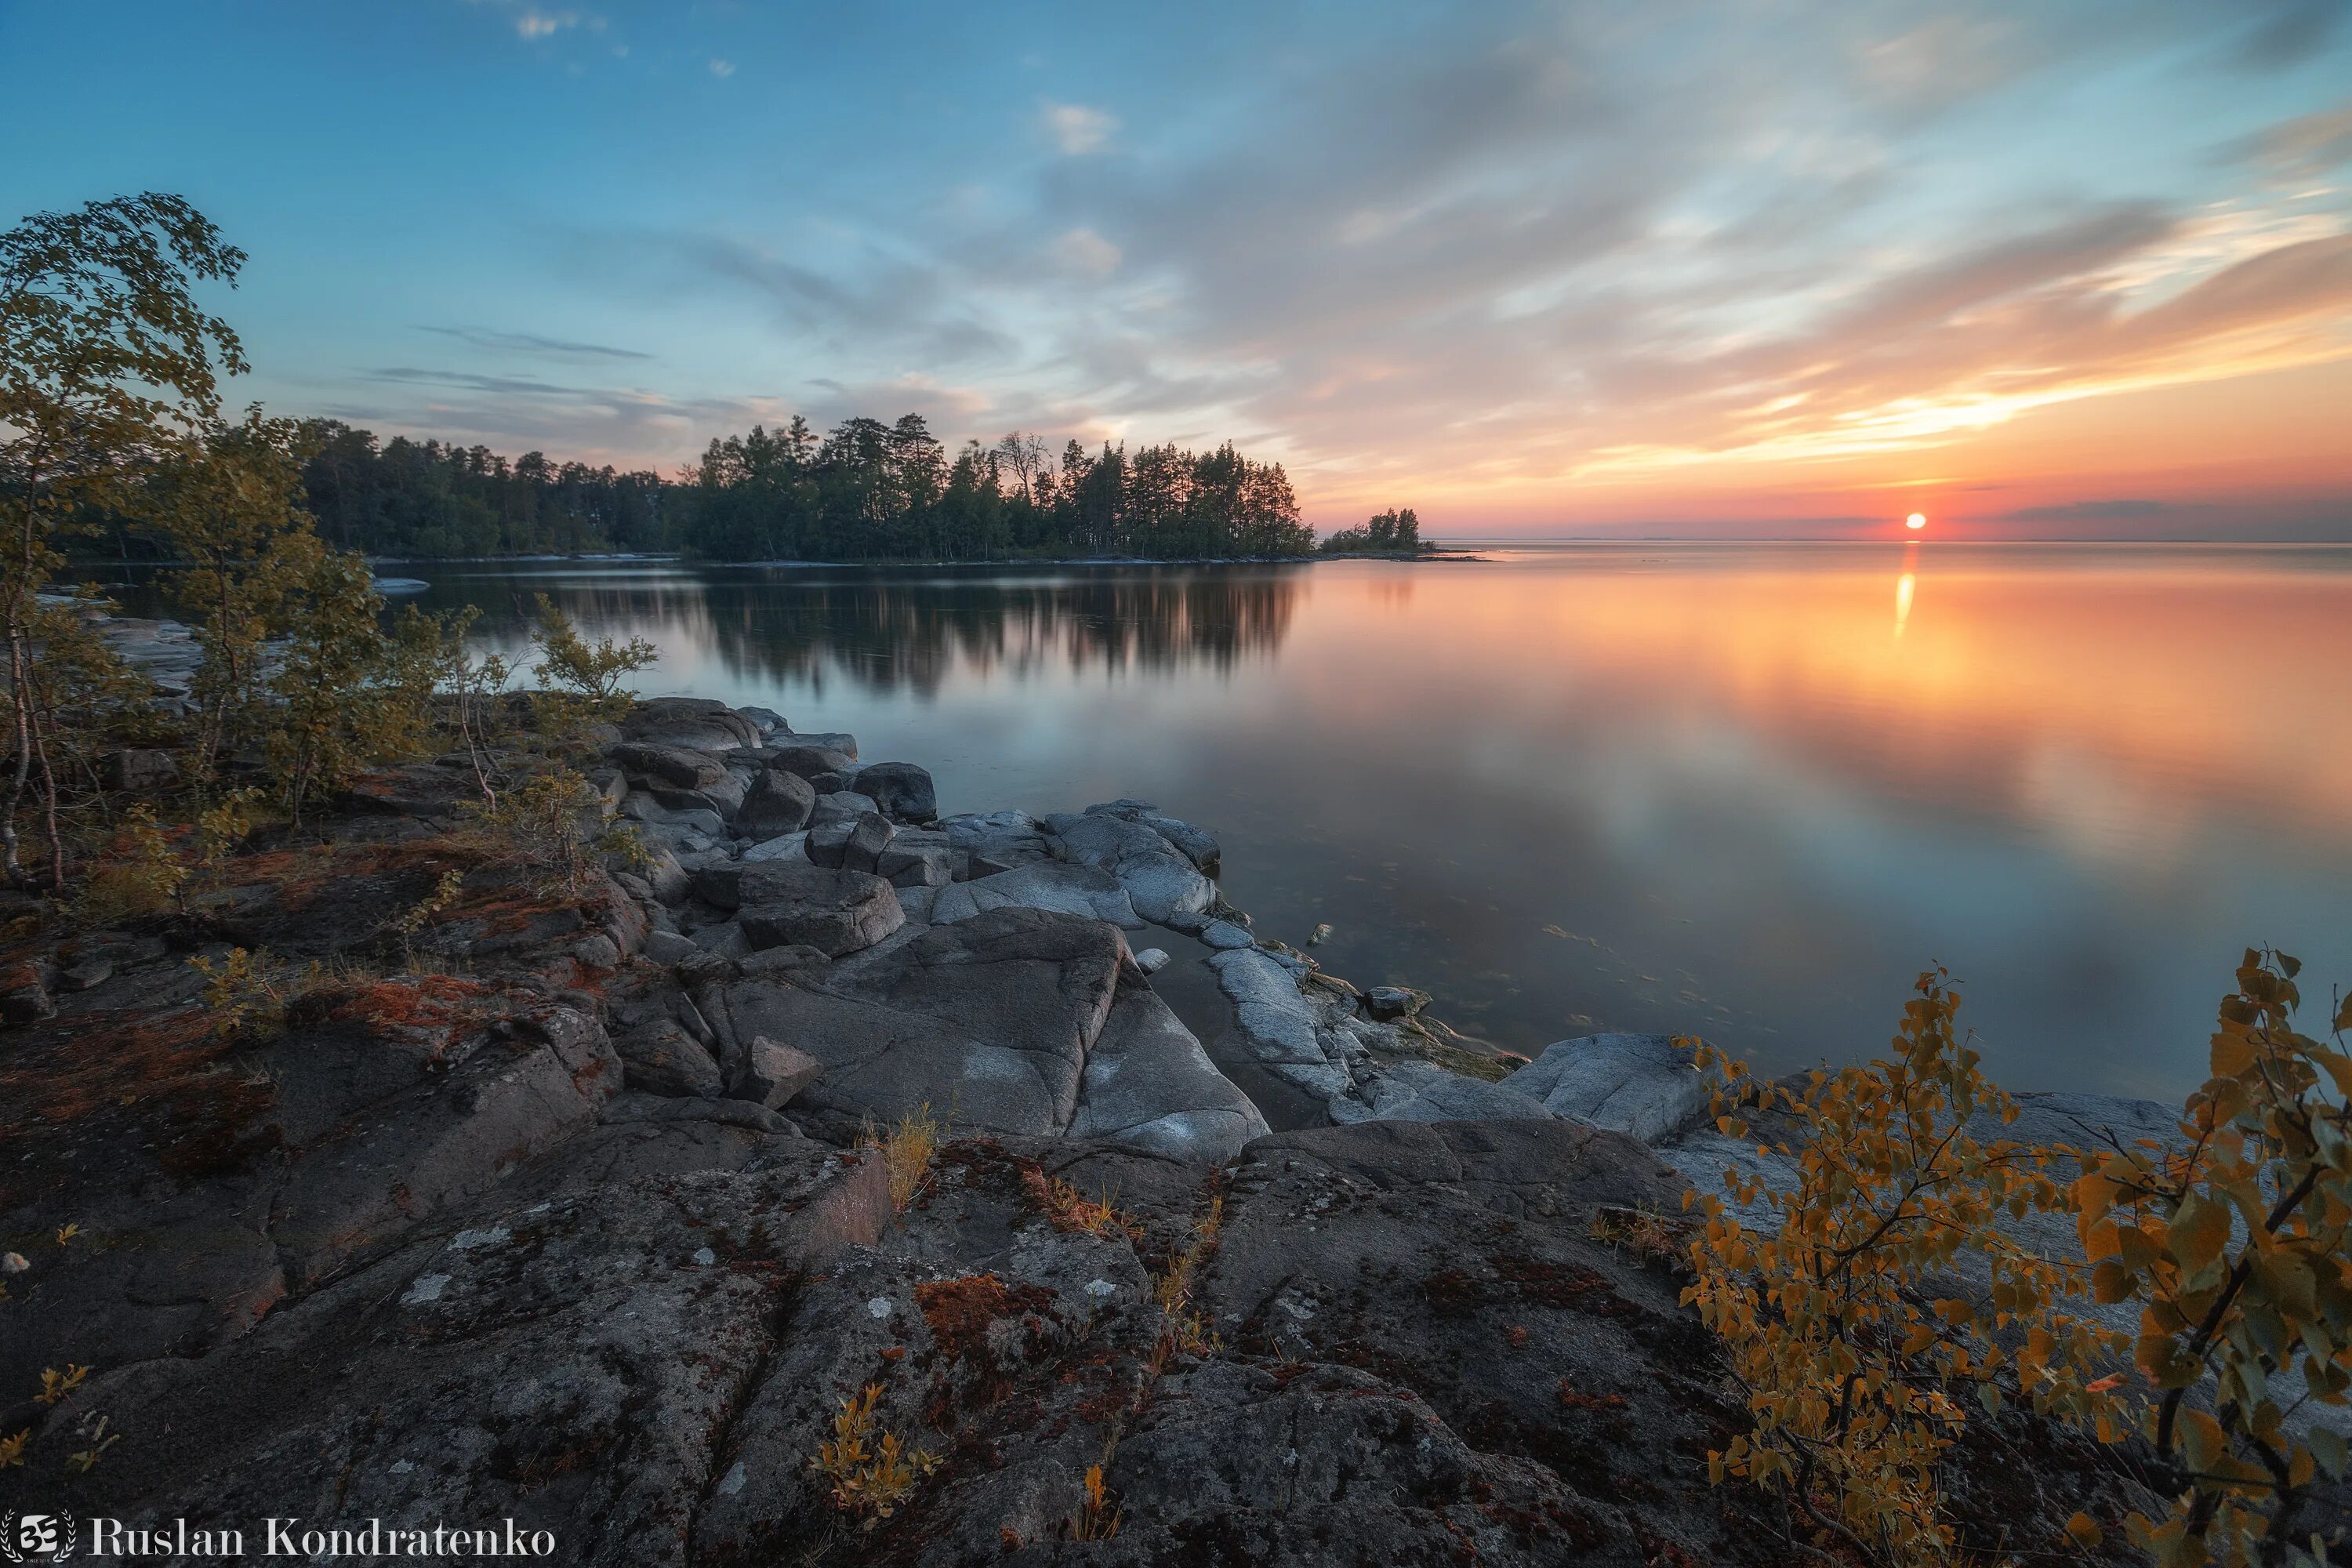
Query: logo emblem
{"type": "Point", "coordinates": [37, 1537]}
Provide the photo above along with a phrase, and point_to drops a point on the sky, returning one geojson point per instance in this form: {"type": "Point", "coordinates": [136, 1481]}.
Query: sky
{"type": "Point", "coordinates": [1739, 267]}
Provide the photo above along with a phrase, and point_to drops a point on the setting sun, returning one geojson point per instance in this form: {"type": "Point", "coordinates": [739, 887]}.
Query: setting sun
{"type": "Point", "coordinates": [1917, 520]}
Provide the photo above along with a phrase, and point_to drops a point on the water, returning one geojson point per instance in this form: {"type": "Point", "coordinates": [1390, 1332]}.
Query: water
{"type": "Point", "coordinates": [1743, 790]}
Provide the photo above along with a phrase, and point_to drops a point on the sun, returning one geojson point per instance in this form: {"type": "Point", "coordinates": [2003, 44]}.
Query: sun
{"type": "Point", "coordinates": [1917, 521]}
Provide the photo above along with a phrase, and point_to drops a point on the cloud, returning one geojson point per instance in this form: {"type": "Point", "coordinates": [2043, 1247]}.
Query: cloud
{"type": "Point", "coordinates": [2304, 147]}
{"type": "Point", "coordinates": [532, 343]}
{"type": "Point", "coordinates": [722, 69]}
{"type": "Point", "coordinates": [1077, 129]}
{"type": "Point", "coordinates": [1530, 248]}
{"type": "Point", "coordinates": [634, 426]}
{"type": "Point", "coordinates": [537, 24]}
{"type": "Point", "coordinates": [2086, 512]}
{"type": "Point", "coordinates": [1084, 250]}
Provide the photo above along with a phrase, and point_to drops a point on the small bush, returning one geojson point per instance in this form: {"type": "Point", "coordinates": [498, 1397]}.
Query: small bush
{"type": "Point", "coordinates": [1098, 1516]}
{"type": "Point", "coordinates": [583, 680]}
{"type": "Point", "coordinates": [138, 873]}
{"type": "Point", "coordinates": [1860, 1369]}
{"type": "Point", "coordinates": [871, 1471]}
{"type": "Point", "coordinates": [1856, 1379]}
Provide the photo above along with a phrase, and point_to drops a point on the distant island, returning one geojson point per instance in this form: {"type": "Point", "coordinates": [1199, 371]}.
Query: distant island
{"type": "Point", "coordinates": [867, 491]}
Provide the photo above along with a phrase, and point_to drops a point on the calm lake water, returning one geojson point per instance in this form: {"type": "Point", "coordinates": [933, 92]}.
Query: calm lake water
{"type": "Point", "coordinates": [1742, 791]}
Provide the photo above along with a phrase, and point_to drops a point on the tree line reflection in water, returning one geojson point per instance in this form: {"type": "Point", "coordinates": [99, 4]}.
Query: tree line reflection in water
{"type": "Point", "coordinates": [890, 632]}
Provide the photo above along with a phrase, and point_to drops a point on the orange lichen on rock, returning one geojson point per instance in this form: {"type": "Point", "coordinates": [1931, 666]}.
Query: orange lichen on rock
{"type": "Point", "coordinates": [961, 1310]}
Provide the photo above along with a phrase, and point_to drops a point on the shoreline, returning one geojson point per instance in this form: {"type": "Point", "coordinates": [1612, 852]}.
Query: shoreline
{"type": "Point", "coordinates": [664, 559]}
{"type": "Point", "coordinates": [593, 1204]}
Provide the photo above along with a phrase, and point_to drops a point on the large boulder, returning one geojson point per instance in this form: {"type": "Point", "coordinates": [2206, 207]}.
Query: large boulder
{"type": "Point", "coordinates": [776, 802]}
{"type": "Point", "coordinates": [785, 902]}
{"type": "Point", "coordinates": [840, 805]}
{"type": "Point", "coordinates": [1041, 885]}
{"type": "Point", "coordinates": [698, 722]}
{"type": "Point", "coordinates": [806, 761]}
{"type": "Point", "coordinates": [997, 840]}
{"type": "Point", "coordinates": [1195, 844]}
{"type": "Point", "coordinates": [989, 1018]}
{"type": "Point", "coordinates": [1643, 1085]}
{"type": "Point", "coordinates": [662, 1059]}
{"type": "Point", "coordinates": [1149, 1086]}
{"type": "Point", "coordinates": [678, 767]}
{"type": "Point", "coordinates": [900, 789]}
{"type": "Point", "coordinates": [1165, 887]}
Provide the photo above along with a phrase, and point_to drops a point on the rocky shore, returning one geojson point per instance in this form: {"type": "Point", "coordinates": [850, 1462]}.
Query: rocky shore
{"type": "Point", "coordinates": [578, 1209]}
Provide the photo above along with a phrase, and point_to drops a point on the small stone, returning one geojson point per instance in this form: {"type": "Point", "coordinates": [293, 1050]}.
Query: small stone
{"type": "Point", "coordinates": [1151, 960]}
{"type": "Point", "coordinates": [1383, 1003]}
{"type": "Point", "coordinates": [773, 1073]}
{"type": "Point", "coordinates": [1314, 937]}
{"type": "Point", "coordinates": [84, 975]}
{"type": "Point", "coordinates": [704, 1257]}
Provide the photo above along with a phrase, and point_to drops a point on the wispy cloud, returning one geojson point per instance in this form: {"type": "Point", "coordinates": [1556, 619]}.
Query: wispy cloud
{"type": "Point", "coordinates": [2306, 146]}
{"type": "Point", "coordinates": [1078, 130]}
{"type": "Point", "coordinates": [537, 24]}
{"type": "Point", "coordinates": [1084, 250]}
{"type": "Point", "coordinates": [722, 69]}
{"type": "Point", "coordinates": [532, 343]}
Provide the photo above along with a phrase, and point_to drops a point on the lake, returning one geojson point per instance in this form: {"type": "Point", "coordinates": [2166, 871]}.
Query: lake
{"type": "Point", "coordinates": [1743, 790]}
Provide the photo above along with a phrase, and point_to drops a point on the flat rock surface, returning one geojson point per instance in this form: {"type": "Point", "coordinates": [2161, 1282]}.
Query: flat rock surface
{"type": "Point", "coordinates": [987, 1019]}
{"type": "Point", "coordinates": [1050, 885]}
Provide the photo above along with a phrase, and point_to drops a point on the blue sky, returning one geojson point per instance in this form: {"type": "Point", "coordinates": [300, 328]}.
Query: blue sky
{"type": "Point", "coordinates": [1525, 265]}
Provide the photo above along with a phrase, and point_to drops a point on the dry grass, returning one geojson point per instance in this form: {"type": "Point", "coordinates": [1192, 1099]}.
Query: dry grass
{"type": "Point", "coordinates": [1068, 1209]}
{"type": "Point", "coordinates": [908, 1150]}
{"type": "Point", "coordinates": [1098, 1516]}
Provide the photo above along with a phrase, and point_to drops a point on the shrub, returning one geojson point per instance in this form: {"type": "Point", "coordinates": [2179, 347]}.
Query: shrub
{"type": "Point", "coordinates": [1857, 1379]}
{"type": "Point", "coordinates": [555, 819]}
{"type": "Point", "coordinates": [1860, 1369]}
{"type": "Point", "coordinates": [871, 1474]}
{"type": "Point", "coordinates": [2239, 1253]}
{"type": "Point", "coordinates": [584, 679]}
{"type": "Point", "coordinates": [138, 873]}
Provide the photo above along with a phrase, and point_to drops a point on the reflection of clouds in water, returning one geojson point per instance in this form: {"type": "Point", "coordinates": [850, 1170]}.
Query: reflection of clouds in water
{"type": "Point", "coordinates": [888, 632]}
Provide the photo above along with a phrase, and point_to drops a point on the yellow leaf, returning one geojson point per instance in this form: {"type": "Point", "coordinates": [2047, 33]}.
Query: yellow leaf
{"type": "Point", "coordinates": [2233, 1053]}
{"type": "Point", "coordinates": [2198, 1231]}
{"type": "Point", "coordinates": [2084, 1530]}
